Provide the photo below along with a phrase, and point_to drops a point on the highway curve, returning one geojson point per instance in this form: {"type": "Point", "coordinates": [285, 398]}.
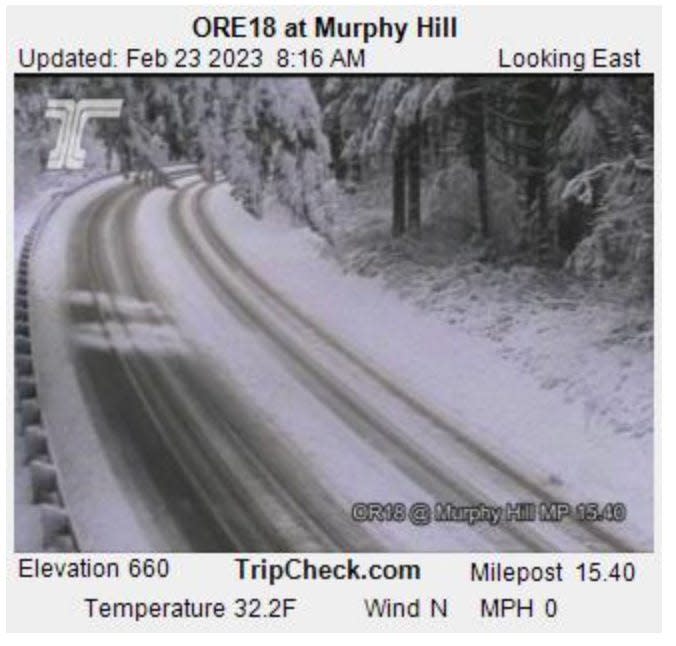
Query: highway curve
{"type": "Point", "coordinates": [168, 435]}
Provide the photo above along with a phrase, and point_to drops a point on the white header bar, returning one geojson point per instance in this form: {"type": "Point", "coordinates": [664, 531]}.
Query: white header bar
{"type": "Point", "coordinates": [333, 40]}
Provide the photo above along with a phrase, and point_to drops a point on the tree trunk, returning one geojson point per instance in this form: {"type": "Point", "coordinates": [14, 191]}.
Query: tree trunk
{"type": "Point", "coordinates": [481, 174]}
{"type": "Point", "coordinates": [473, 110]}
{"type": "Point", "coordinates": [536, 98]}
{"type": "Point", "coordinates": [398, 189]}
{"type": "Point", "coordinates": [414, 171]}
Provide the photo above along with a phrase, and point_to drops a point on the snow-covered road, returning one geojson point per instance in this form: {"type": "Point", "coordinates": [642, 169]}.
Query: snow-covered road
{"type": "Point", "coordinates": [192, 406]}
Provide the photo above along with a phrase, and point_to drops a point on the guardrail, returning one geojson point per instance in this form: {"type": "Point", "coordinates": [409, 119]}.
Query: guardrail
{"type": "Point", "coordinates": [57, 532]}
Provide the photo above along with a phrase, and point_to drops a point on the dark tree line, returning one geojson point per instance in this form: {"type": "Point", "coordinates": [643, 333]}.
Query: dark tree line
{"type": "Point", "coordinates": [540, 136]}
{"type": "Point", "coordinates": [559, 167]}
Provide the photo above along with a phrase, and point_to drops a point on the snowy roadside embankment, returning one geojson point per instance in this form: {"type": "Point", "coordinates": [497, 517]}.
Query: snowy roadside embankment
{"type": "Point", "coordinates": [530, 380]}
{"type": "Point", "coordinates": [47, 187]}
{"type": "Point", "coordinates": [589, 342]}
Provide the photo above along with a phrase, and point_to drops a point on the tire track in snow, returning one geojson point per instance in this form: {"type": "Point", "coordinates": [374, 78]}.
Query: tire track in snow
{"type": "Point", "coordinates": [231, 472]}
{"type": "Point", "coordinates": [568, 536]}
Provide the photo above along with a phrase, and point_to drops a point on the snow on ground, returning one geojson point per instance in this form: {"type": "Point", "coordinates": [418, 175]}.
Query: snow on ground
{"type": "Point", "coordinates": [28, 204]}
{"type": "Point", "coordinates": [92, 490]}
{"type": "Point", "coordinates": [588, 342]}
{"type": "Point", "coordinates": [242, 361]}
{"type": "Point", "coordinates": [552, 375]}
{"type": "Point", "coordinates": [35, 187]}
{"type": "Point", "coordinates": [557, 377]}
